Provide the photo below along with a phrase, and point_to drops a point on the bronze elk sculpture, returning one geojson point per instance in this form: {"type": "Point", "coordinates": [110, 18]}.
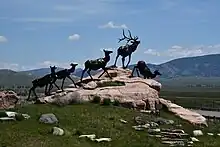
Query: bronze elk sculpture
{"type": "Point", "coordinates": [63, 74]}
{"type": "Point", "coordinates": [97, 64]}
{"type": "Point", "coordinates": [43, 81]}
{"type": "Point", "coordinates": [141, 66]}
{"type": "Point", "coordinates": [128, 49]}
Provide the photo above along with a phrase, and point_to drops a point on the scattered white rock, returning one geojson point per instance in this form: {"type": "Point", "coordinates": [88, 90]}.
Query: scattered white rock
{"type": "Point", "coordinates": [210, 134]}
{"type": "Point", "coordinates": [157, 136]}
{"type": "Point", "coordinates": [197, 133]}
{"type": "Point", "coordinates": [194, 139]}
{"type": "Point", "coordinates": [10, 115]}
{"type": "Point", "coordinates": [145, 111]}
{"type": "Point", "coordinates": [103, 139]}
{"type": "Point", "coordinates": [123, 121]}
{"type": "Point", "coordinates": [137, 128]}
{"type": "Point", "coordinates": [58, 131]}
{"type": "Point", "coordinates": [91, 136]}
{"type": "Point", "coordinates": [7, 118]}
{"type": "Point", "coordinates": [154, 130]}
{"type": "Point", "coordinates": [48, 118]}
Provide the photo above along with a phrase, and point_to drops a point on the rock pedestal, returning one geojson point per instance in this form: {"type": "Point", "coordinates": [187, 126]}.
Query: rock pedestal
{"type": "Point", "coordinates": [131, 92]}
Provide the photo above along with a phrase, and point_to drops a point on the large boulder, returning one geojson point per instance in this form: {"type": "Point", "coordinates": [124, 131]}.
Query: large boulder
{"type": "Point", "coordinates": [8, 99]}
{"type": "Point", "coordinates": [135, 92]}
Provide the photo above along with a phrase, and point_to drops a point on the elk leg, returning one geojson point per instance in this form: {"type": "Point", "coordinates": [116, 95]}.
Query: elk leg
{"type": "Point", "coordinates": [116, 60]}
{"type": "Point", "coordinates": [35, 93]}
{"type": "Point", "coordinates": [102, 73]}
{"type": "Point", "coordinates": [123, 62]}
{"type": "Point", "coordinates": [56, 85]}
{"type": "Point", "coordinates": [50, 88]}
{"type": "Point", "coordinates": [45, 90]}
{"type": "Point", "coordinates": [29, 93]}
{"type": "Point", "coordinates": [71, 80]}
{"type": "Point", "coordinates": [63, 83]}
{"type": "Point", "coordinates": [105, 70]}
{"type": "Point", "coordinates": [129, 60]}
{"type": "Point", "coordinates": [83, 74]}
{"type": "Point", "coordinates": [137, 72]}
{"type": "Point", "coordinates": [89, 73]}
{"type": "Point", "coordinates": [133, 71]}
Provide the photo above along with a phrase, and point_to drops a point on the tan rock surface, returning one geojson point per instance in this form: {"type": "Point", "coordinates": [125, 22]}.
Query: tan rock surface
{"type": "Point", "coordinates": [193, 117]}
{"type": "Point", "coordinates": [135, 93]}
{"type": "Point", "coordinates": [8, 99]}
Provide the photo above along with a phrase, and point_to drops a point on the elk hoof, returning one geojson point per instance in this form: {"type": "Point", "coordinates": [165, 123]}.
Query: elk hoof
{"type": "Point", "coordinates": [113, 66]}
{"type": "Point", "coordinates": [130, 76]}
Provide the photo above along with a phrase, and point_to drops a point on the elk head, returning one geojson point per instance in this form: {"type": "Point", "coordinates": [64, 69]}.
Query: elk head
{"type": "Point", "coordinates": [130, 38]}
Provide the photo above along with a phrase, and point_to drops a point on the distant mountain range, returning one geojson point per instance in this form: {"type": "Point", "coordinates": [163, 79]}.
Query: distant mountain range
{"type": "Point", "coordinates": [200, 66]}
{"type": "Point", "coordinates": [207, 66]}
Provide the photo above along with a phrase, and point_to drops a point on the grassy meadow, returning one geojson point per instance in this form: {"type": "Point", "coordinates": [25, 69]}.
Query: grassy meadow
{"type": "Point", "coordinates": [89, 119]}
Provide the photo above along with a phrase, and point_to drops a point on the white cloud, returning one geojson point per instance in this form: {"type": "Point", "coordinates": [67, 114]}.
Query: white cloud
{"type": "Point", "coordinates": [12, 66]}
{"type": "Point", "coordinates": [46, 64]}
{"type": "Point", "coordinates": [177, 51]}
{"type": "Point", "coordinates": [109, 49]}
{"type": "Point", "coordinates": [3, 39]}
{"type": "Point", "coordinates": [74, 37]}
{"type": "Point", "coordinates": [152, 52]}
{"type": "Point", "coordinates": [111, 25]}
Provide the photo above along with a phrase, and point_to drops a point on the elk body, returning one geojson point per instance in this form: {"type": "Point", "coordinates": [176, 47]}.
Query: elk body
{"type": "Point", "coordinates": [144, 70]}
{"type": "Point", "coordinates": [127, 49]}
{"type": "Point", "coordinates": [97, 64]}
{"type": "Point", "coordinates": [43, 81]}
{"type": "Point", "coordinates": [63, 74]}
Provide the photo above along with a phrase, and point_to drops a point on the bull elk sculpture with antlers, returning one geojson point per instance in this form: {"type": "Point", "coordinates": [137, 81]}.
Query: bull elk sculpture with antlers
{"type": "Point", "coordinates": [128, 49]}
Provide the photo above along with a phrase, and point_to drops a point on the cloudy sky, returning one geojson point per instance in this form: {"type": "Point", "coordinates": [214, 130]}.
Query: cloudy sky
{"type": "Point", "coordinates": [40, 33]}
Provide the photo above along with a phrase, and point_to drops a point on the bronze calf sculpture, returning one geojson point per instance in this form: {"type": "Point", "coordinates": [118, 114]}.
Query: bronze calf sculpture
{"type": "Point", "coordinates": [43, 81]}
{"type": "Point", "coordinates": [63, 74]}
{"type": "Point", "coordinates": [141, 66]}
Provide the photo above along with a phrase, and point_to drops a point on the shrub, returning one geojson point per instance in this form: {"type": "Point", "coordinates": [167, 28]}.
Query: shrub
{"type": "Point", "coordinates": [106, 101]}
{"type": "Point", "coordinates": [116, 103]}
{"type": "Point", "coordinates": [110, 83]}
{"type": "Point", "coordinates": [96, 99]}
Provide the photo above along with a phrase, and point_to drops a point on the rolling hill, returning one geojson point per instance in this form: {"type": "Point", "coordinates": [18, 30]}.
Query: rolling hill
{"type": "Point", "coordinates": [190, 71]}
{"type": "Point", "coordinates": [9, 78]}
{"type": "Point", "coordinates": [199, 66]}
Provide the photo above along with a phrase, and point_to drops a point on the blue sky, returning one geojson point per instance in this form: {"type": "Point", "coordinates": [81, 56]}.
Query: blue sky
{"type": "Point", "coordinates": [41, 33]}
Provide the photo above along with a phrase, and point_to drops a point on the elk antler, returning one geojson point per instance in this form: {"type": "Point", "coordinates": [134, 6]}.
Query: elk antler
{"type": "Point", "coordinates": [124, 37]}
{"type": "Point", "coordinates": [130, 35]}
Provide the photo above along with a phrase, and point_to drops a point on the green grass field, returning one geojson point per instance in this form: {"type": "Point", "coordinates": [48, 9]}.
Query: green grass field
{"type": "Point", "coordinates": [88, 119]}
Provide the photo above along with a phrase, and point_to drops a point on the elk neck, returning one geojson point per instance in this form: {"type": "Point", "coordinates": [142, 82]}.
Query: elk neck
{"type": "Point", "coordinates": [133, 46]}
{"type": "Point", "coordinates": [106, 58]}
{"type": "Point", "coordinates": [153, 75]}
{"type": "Point", "coordinates": [71, 70]}
{"type": "Point", "coordinates": [53, 73]}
